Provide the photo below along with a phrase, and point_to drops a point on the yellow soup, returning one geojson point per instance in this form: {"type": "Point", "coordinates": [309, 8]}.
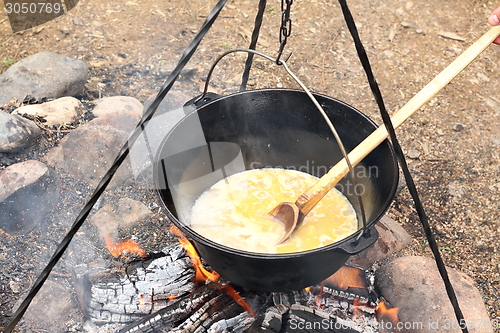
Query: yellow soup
{"type": "Point", "coordinates": [233, 212]}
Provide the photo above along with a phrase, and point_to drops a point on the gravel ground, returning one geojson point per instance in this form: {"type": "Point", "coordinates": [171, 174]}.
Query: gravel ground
{"type": "Point", "coordinates": [452, 143]}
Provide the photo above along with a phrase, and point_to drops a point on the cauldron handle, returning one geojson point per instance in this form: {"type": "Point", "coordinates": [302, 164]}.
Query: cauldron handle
{"type": "Point", "coordinates": [197, 102]}
{"type": "Point", "coordinates": [361, 242]}
{"type": "Point", "coordinates": [202, 100]}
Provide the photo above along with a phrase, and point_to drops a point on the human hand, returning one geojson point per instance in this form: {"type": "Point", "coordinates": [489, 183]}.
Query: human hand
{"type": "Point", "coordinates": [495, 20]}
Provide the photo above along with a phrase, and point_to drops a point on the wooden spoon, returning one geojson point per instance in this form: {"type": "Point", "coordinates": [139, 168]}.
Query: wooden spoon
{"type": "Point", "coordinates": [292, 214]}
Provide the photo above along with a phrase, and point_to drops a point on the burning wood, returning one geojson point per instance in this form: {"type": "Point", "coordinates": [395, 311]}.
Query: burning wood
{"type": "Point", "coordinates": [174, 292]}
{"type": "Point", "coordinates": [193, 313]}
{"type": "Point", "coordinates": [145, 288]}
{"type": "Point", "coordinates": [171, 302]}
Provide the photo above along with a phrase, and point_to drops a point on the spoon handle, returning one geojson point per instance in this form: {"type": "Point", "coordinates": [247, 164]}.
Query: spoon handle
{"type": "Point", "coordinates": [313, 195]}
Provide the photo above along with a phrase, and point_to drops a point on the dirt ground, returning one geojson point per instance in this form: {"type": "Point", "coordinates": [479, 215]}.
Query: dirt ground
{"type": "Point", "coordinates": [452, 144]}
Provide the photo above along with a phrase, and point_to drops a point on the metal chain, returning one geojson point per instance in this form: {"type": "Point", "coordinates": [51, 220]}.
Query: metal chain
{"type": "Point", "coordinates": [286, 26]}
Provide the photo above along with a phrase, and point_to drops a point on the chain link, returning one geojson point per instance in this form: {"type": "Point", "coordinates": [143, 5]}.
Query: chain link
{"type": "Point", "coordinates": [286, 26]}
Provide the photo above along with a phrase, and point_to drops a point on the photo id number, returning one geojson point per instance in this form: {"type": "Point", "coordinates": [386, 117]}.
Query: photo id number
{"type": "Point", "coordinates": [33, 8]}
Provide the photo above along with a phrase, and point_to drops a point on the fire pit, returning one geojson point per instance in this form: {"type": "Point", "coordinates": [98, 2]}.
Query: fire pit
{"type": "Point", "coordinates": [342, 303]}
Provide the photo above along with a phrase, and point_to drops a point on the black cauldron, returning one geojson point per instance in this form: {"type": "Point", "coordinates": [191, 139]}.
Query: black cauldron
{"type": "Point", "coordinates": [271, 128]}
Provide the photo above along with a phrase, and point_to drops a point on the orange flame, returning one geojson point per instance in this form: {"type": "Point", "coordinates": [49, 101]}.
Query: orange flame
{"type": "Point", "coordinates": [171, 297]}
{"type": "Point", "coordinates": [142, 300]}
{"type": "Point", "coordinates": [203, 275]}
{"type": "Point", "coordinates": [228, 289]}
{"type": "Point", "coordinates": [118, 249]}
{"type": "Point", "coordinates": [383, 312]}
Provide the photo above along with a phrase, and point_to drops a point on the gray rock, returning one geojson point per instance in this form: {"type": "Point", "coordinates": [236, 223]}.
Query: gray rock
{"type": "Point", "coordinates": [458, 127]}
{"type": "Point", "coordinates": [495, 139]}
{"type": "Point", "coordinates": [392, 238]}
{"type": "Point", "coordinates": [492, 103]}
{"type": "Point", "coordinates": [172, 101]}
{"type": "Point", "coordinates": [78, 21]}
{"type": "Point", "coordinates": [125, 213]}
{"type": "Point", "coordinates": [16, 133]}
{"type": "Point", "coordinates": [413, 285]}
{"type": "Point", "coordinates": [54, 309]}
{"type": "Point", "coordinates": [28, 192]}
{"type": "Point", "coordinates": [117, 103]}
{"type": "Point", "coordinates": [16, 286]}
{"type": "Point", "coordinates": [59, 112]}
{"type": "Point", "coordinates": [122, 120]}
{"type": "Point", "coordinates": [88, 152]}
{"type": "Point", "coordinates": [45, 74]}
{"type": "Point", "coordinates": [167, 115]}
{"type": "Point", "coordinates": [456, 190]}
{"type": "Point", "coordinates": [413, 154]}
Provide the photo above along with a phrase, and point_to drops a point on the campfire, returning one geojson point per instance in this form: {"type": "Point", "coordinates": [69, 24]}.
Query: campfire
{"type": "Point", "coordinates": [173, 291]}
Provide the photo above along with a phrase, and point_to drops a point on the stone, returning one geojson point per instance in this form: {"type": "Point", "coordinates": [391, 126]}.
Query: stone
{"type": "Point", "coordinates": [122, 120]}
{"type": "Point", "coordinates": [167, 115]}
{"type": "Point", "coordinates": [413, 285]}
{"type": "Point", "coordinates": [115, 222]}
{"type": "Point", "coordinates": [16, 133]}
{"type": "Point", "coordinates": [54, 309]}
{"type": "Point", "coordinates": [456, 191]}
{"type": "Point", "coordinates": [88, 152]}
{"type": "Point", "coordinates": [494, 104]}
{"type": "Point", "coordinates": [61, 111]}
{"type": "Point", "coordinates": [392, 238]}
{"type": "Point", "coordinates": [16, 286]}
{"type": "Point", "coordinates": [495, 139]}
{"type": "Point", "coordinates": [172, 101]}
{"type": "Point", "coordinates": [28, 192]}
{"type": "Point", "coordinates": [483, 77]}
{"type": "Point", "coordinates": [124, 213]}
{"type": "Point", "coordinates": [45, 74]}
{"type": "Point", "coordinates": [117, 103]}
{"type": "Point", "coordinates": [413, 154]}
{"type": "Point", "coordinates": [78, 21]}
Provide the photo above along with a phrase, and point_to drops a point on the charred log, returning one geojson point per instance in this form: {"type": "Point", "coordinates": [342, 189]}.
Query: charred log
{"type": "Point", "coordinates": [206, 310]}
{"type": "Point", "coordinates": [159, 295]}
{"type": "Point", "coordinates": [145, 288]}
{"type": "Point", "coordinates": [272, 320]}
{"type": "Point", "coordinates": [289, 298]}
{"type": "Point", "coordinates": [340, 303]}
